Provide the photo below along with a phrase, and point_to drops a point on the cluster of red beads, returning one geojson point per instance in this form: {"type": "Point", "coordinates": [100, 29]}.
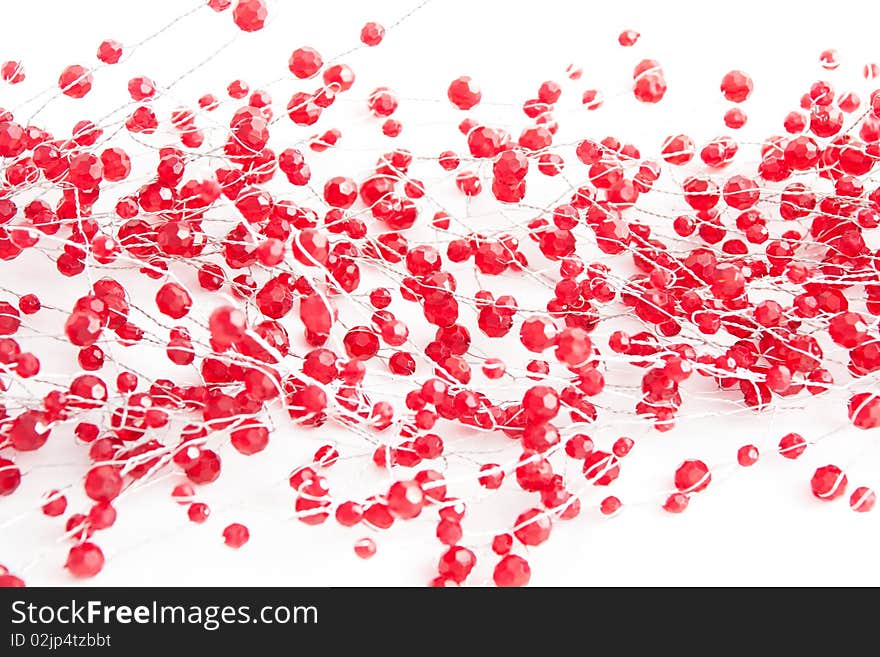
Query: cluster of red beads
{"type": "Point", "coordinates": [267, 311]}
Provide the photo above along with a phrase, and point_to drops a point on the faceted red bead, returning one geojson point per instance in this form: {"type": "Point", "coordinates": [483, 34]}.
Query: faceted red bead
{"type": "Point", "coordinates": [862, 499]}
{"type": "Point", "coordinates": [305, 62]}
{"type": "Point", "coordinates": [692, 476]}
{"type": "Point", "coordinates": [56, 504]}
{"type": "Point", "coordinates": [747, 455]}
{"type": "Point", "coordinates": [601, 468]}
{"type": "Point", "coordinates": [792, 445]}
{"type": "Point", "coordinates": [340, 192]}
{"type": "Point", "coordinates": [198, 512]}
{"type": "Point", "coordinates": [828, 482]}
{"type": "Point", "coordinates": [532, 527]}
{"type": "Point", "coordinates": [361, 343]}
{"type": "Point", "coordinates": [236, 535]}
{"type": "Point", "coordinates": [610, 505]}
{"type": "Point", "coordinates": [9, 318]}
{"type": "Point", "coordinates": [365, 548]}
{"type": "Point", "coordinates": [10, 476]}
{"type": "Point", "coordinates": [250, 15]}
{"type": "Point", "coordinates": [676, 503]}
{"type": "Point", "coordinates": [372, 34]}
{"type": "Point", "coordinates": [110, 51]}
{"type": "Point", "coordinates": [173, 300]}
{"type": "Point", "coordinates": [103, 483]}
{"type": "Point", "coordinates": [512, 570]}
{"type": "Point", "coordinates": [250, 437]}
{"type": "Point", "coordinates": [736, 86]}
{"type": "Point", "coordinates": [75, 81]}
{"type": "Point", "coordinates": [464, 93]}
{"type": "Point", "coordinates": [405, 499]}
{"type": "Point", "coordinates": [456, 563]}
{"type": "Point", "coordinates": [85, 560]}
{"type": "Point", "coordinates": [864, 410]}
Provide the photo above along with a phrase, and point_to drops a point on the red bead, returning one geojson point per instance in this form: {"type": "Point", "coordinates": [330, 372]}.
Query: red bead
{"type": "Point", "coordinates": [579, 446]}
{"type": "Point", "coordinates": [828, 482]}
{"type": "Point", "coordinates": [83, 328]}
{"type": "Point", "coordinates": [692, 476]}
{"type": "Point", "coordinates": [103, 483]}
{"type": "Point", "coordinates": [29, 431]}
{"type": "Point", "coordinates": [864, 410]}
{"type": "Point", "coordinates": [75, 81]}
{"type": "Point", "coordinates": [532, 527]}
{"type": "Point", "coordinates": [405, 499]}
{"type": "Point", "coordinates": [610, 506]}
{"type": "Point", "coordinates": [85, 560]}
{"type": "Point", "coordinates": [512, 571]}
{"type": "Point", "coordinates": [747, 455]}
{"type": "Point", "coordinates": [628, 38]}
{"type": "Point", "coordinates": [372, 34]}
{"type": "Point", "coordinates": [236, 535]}
{"type": "Point", "coordinates": [540, 403]}
{"type": "Point", "coordinates": [198, 512]}
{"type": "Point", "coordinates": [862, 499]}
{"type": "Point", "coordinates": [361, 343]}
{"type": "Point", "coordinates": [10, 477]}
{"type": "Point", "coordinates": [601, 468]}
{"type": "Point", "coordinates": [29, 304]}
{"type": "Point", "coordinates": [449, 532]}
{"type": "Point", "coordinates": [464, 93]}
{"type": "Point", "coordinates": [340, 192]}
{"type": "Point", "coordinates": [12, 72]}
{"type": "Point", "coordinates": [250, 15]}
{"type": "Point", "coordinates": [792, 445]}
{"type": "Point", "coordinates": [55, 505]}
{"type": "Point", "coordinates": [305, 62]}
{"type": "Point", "coordinates": [848, 330]}
{"type": "Point", "coordinates": [650, 84]}
{"type": "Point", "coordinates": [251, 437]}
{"type": "Point", "coordinates": [365, 548]}
{"type": "Point", "coordinates": [173, 300]}
{"type": "Point", "coordinates": [676, 503]}
{"type": "Point", "coordinates": [622, 447]}
{"type": "Point", "coordinates": [110, 52]}
{"type": "Point", "coordinates": [492, 476]}
{"type": "Point", "coordinates": [538, 334]}
{"type": "Point", "coordinates": [736, 86]}
{"type": "Point", "coordinates": [457, 563]}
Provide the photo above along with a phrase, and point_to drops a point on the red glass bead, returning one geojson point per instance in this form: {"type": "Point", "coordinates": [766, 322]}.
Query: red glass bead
{"type": "Point", "coordinates": [792, 445]}
{"type": "Point", "coordinates": [10, 477]}
{"type": "Point", "coordinates": [862, 499]}
{"type": "Point", "coordinates": [736, 86]}
{"type": "Point", "coordinates": [610, 506]}
{"type": "Point", "coordinates": [372, 34]}
{"type": "Point", "coordinates": [532, 527]}
{"type": "Point", "coordinates": [250, 15]}
{"type": "Point", "coordinates": [110, 52]}
{"type": "Point", "coordinates": [828, 482]}
{"type": "Point", "coordinates": [692, 476]}
{"type": "Point", "coordinates": [236, 535]}
{"type": "Point", "coordinates": [365, 548]}
{"type": "Point", "coordinates": [85, 560]}
{"type": "Point", "coordinates": [512, 570]}
{"type": "Point", "coordinates": [75, 81]}
{"type": "Point", "coordinates": [747, 455]}
{"type": "Point", "coordinates": [676, 503]}
{"type": "Point", "coordinates": [464, 93]}
{"type": "Point", "coordinates": [457, 563]}
{"type": "Point", "coordinates": [198, 512]}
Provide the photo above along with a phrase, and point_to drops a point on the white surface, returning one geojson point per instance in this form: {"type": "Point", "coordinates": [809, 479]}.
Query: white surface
{"type": "Point", "coordinates": [759, 526]}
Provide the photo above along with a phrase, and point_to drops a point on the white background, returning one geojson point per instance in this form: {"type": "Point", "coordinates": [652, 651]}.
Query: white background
{"type": "Point", "coordinates": [760, 526]}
